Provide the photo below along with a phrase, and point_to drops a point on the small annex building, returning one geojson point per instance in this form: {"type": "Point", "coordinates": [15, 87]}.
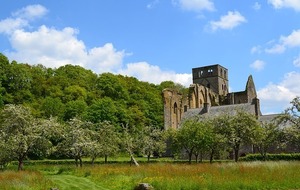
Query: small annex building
{"type": "Point", "coordinates": [209, 95]}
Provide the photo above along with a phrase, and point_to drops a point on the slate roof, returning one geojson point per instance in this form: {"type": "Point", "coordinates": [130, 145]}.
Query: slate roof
{"type": "Point", "coordinates": [268, 118]}
{"type": "Point", "coordinates": [215, 111]}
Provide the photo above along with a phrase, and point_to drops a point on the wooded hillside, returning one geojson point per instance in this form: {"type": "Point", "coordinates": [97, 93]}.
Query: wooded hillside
{"type": "Point", "coordinates": [72, 91]}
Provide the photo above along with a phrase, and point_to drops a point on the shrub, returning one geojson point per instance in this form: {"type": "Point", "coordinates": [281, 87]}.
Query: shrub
{"type": "Point", "coordinates": [271, 157]}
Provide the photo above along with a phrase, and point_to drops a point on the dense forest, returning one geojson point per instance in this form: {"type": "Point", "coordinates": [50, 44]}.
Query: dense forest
{"type": "Point", "coordinates": [72, 91]}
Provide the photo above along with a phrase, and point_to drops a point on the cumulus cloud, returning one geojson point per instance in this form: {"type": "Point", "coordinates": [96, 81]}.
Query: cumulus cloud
{"type": "Point", "coordinates": [279, 4]}
{"type": "Point", "coordinates": [146, 72]}
{"type": "Point", "coordinates": [278, 96]}
{"type": "Point", "coordinates": [54, 48]}
{"type": "Point", "coordinates": [258, 65]}
{"type": "Point", "coordinates": [20, 18]}
{"type": "Point", "coordinates": [284, 42]}
{"type": "Point", "coordinates": [195, 5]}
{"type": "Point", "coordinates": [229, 21]}
{"type": "Point", "coordinates": [7, 26]}
{"type": "Point", "coordinates": [31, 12]}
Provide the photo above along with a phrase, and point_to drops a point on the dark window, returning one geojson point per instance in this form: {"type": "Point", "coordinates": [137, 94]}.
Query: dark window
{"type": "Point", "coordinates": [175, 108]}
{"type": "Point", "coordinates": [185, 108]}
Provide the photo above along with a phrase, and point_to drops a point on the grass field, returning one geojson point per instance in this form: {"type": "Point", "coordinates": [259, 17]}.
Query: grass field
{"type": "Point", "coordinates": [162, 176]}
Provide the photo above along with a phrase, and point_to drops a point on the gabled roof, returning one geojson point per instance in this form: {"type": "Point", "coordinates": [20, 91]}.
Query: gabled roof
{"type": "Point", "coordinates": [216, 111]}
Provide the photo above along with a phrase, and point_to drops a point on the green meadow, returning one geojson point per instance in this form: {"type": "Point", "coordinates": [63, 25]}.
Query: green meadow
{"type": "Point", "coordinates": [161, 175]}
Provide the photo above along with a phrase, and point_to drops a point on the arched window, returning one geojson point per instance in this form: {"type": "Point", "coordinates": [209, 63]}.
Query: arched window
{"type": "Point", "coordinates": [175, 108]}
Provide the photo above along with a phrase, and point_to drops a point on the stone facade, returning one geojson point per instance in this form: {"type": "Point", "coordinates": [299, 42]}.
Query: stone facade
{"type": "Point", "coordinates": [209, 91]}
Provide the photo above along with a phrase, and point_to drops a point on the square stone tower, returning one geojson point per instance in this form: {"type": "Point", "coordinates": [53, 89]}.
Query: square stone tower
{"type": "Point", "coordinates": [214, 77]}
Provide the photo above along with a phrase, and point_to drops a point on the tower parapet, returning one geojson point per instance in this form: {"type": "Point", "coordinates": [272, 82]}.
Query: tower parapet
{"type": "Point", "coordinates": [214, 77]}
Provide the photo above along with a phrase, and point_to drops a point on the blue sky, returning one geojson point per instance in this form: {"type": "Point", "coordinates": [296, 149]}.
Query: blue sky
{"type": "Point", "coordinates": [158, 40]}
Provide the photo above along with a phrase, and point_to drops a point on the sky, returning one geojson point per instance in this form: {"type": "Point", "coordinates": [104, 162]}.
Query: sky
{"type": "Point", "coordinates": [159, 40]}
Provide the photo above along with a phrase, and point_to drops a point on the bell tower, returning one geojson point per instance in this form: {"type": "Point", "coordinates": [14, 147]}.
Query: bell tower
{"type": "Point", "coordinates": [214, 77]}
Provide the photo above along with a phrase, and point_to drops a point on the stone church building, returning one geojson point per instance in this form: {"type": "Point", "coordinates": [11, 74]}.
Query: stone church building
{"type": "Point", "coordinates": [209, 95]}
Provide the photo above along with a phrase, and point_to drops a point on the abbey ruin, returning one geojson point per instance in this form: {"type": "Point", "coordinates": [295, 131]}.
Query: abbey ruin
{"type": "Point", "coordinates": [209, 95]}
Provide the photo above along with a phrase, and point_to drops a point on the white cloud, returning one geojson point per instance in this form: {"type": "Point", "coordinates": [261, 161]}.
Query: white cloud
{"type": "Point", "coordinates": [258, 65]}
{"type": "Point", "coordinates": [146, 72]}
{"type": "Point", "coordinates": [290, 41]}
{"type": "Point", "coordinates": [256, 6]}
{"type": "Point", "coordinates": [31, 12]}
{"type": "Point", "coordinates": [195, 5]}
{"type": "Point", "coordinates": [296, 62]}
{"type": "Point", "coordinates": [276, 49]}
{"type": "Point", "coordinates": [277, 96]}
{"type": "Point", "coordinates": [7, 26]}
{"type": "Point", "coordinates": [279, 4]}
{"type": "Point", "coordinates": [229, 21]}
{"type": "Point", "coordinates": [55, 48]}
{"type": "Point", "coordinates": [20, 18]}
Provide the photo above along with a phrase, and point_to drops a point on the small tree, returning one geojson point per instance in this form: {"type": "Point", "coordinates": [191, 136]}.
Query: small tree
{"type": "Point", "coordinates": [196, 137]}
{"type": "Point", "coordinates": [77, 140]}
{"type": "Point", "coordinates": [20, 134]}
{"type": "Point", "coordinates": [240, 130]}
{"type": "Point", "coordinates": [292, 136]}
{"type": "Point", "coordinates": [132, 141]}
{"type": "Point", "coordinates": [219, 139]}
{"type": "Point", "coordinates": [292, 114]}
{"type": "Point", "coordinates": [291, 117]}
{"type": "Point", "coordinates": [154, 141]}
{"type": "Point", "coordinates": [106, 141]}
{"type": "Point", "coordinates": [266, 136]}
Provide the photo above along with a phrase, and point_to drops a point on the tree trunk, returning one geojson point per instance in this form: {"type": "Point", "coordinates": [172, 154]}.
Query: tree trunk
{"type": "Point", "coordinates": [211, 158]}
{"type": "Point", "coordinates": [20, 165]}
{"type": "Point", "coordinates": [93, 161]}
{"type": "Point", "coordinates": [133, 160]}
{"type": "Point", "coordinates": [76, 162]}
{"type": "Point", "coordinates": [264, 155]}
{"type": "Point", "coordinates": [196, 156]}
{"type": "Point", "coordinates": [148, 157]}
{"type": "Point", "coordinates": [190, 157]}
{"type": "Point", "coordinates": [105, 159]}
{"type": "Point", "coordinates": [236, 153]}
{"type": "Point", "coordinates": [80, 162]}
{"type": "Point", "coordinates": [201, 156]}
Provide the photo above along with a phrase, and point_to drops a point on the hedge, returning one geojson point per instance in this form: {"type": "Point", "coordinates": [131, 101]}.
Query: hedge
{"type": "Point", "coordinates": [271, 157]}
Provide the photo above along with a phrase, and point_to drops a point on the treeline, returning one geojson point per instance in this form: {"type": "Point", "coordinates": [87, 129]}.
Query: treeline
{"type": "Point", "coordinates": [72, 91]}
{"type": "Point", "coordinates": [24, 136]}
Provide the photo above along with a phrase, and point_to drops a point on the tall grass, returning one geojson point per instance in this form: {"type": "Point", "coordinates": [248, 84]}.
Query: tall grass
{"type": "Point", "coordinates": [166, 176]}
{"type": "Point", "coordinates": [162, 176]}
{"type": "Point", "coordinates": [24, 180]}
